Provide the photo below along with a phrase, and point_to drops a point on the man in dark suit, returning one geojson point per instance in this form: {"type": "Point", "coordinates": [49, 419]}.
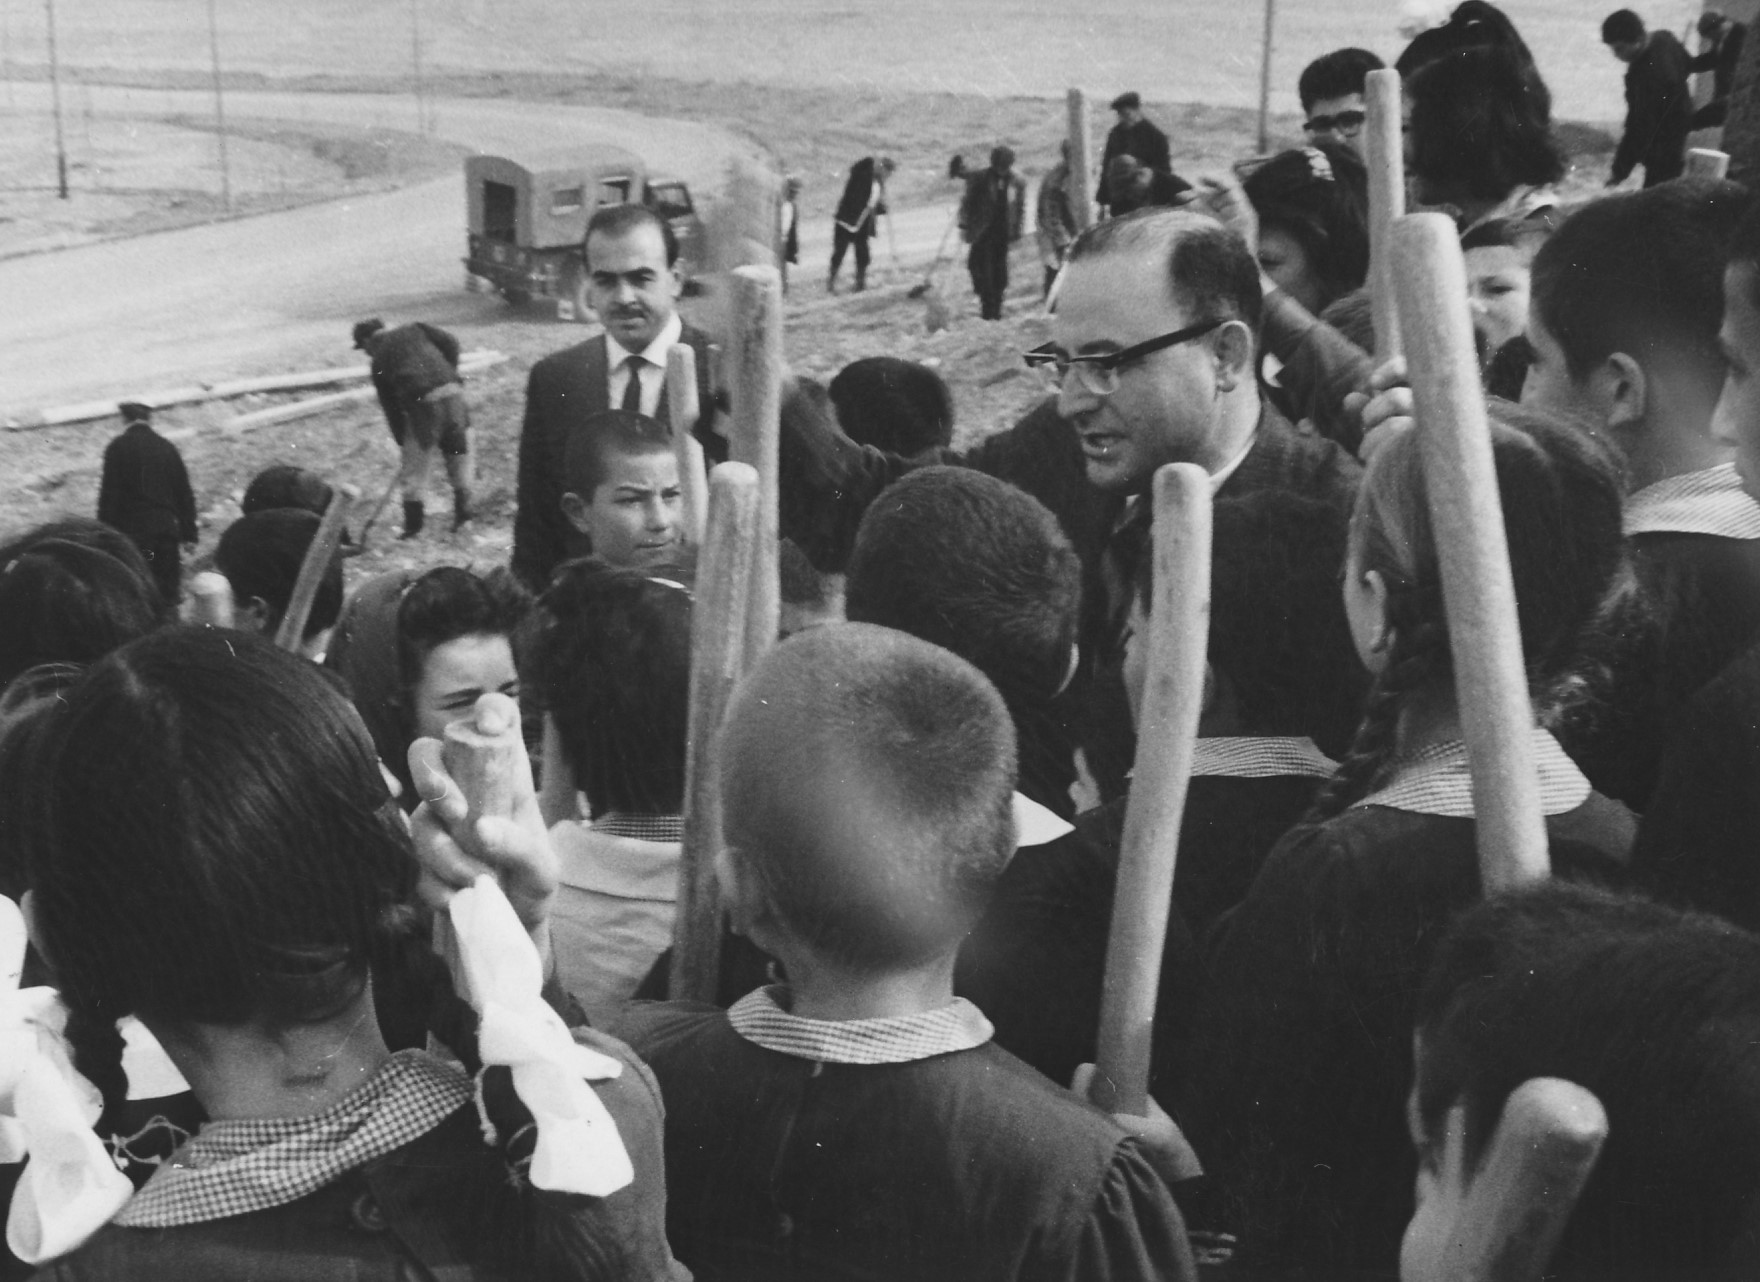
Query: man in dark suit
{"type": "Point", "coordinates": [858, 216]}
{"type": "Point", "coordinates": [1659, 106]}
{"type": "Point", "coordinates": [990, 219]}
{"type": "Point", "coordinates": [1133, 135]}
{"type": "Point", "coordinates": [630, 254]}
{"type": "Point", "coordinates": [144, 492]}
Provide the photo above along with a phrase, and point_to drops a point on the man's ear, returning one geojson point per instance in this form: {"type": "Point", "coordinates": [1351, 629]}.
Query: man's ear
{"type": "Point", "coordinates": [574, 511]}
{"type": "Point", "coordinates": [1234, 350]}
{"type": "Point", "coordinates": [740, 895]}
{"type": "Point", "coordinates": [251, 614]}
{"type": "Point", "coordinates": [674, 281]}
{"type": "Point", "coordinates": [1622, 392]}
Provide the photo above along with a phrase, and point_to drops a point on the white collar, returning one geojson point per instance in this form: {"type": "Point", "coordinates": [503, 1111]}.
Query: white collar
{"type": "Point", "coordinates": [1710, 501]}
{"type": "Point", "coordinates": [1034, 825]}
{"type": "Point", "coordinates": [1220, 476]}
{"type": "Point", "coordinates": [654, 353]}
{"type": "Point", "coordinates": [1260, 757]}
{"type": "Point", "coordinates": [1438, 782]}
{"type": "Point", "coordinates": [761, 1018]}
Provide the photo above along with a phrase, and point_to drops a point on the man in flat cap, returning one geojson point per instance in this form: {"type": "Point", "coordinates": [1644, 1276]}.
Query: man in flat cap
{"type": "Point", "coordinates": [144, 492]}
{"type": "Point", "coordinates": [415, 372]}
{"type": "Point", "coordinates": [990, 219]}
{"type": "Point", "coordinates": [1133, 135]}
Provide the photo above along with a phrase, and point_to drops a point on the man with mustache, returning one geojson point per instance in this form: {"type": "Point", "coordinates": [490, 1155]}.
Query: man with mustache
{"type": "Point", "coordinates": [634, 287]}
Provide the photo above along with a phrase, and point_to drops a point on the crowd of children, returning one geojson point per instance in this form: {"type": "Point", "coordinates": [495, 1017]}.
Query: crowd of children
{"type": "Point", "coordinates": [240, 852]}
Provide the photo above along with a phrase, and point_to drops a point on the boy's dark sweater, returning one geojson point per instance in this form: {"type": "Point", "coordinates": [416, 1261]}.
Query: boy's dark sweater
{"type": "Point", "coordinates": [1302, 1062]}
{"type": "Point", "coordinates": [1036, 962]}
{"type": "Point", "coordinates": [962, 1166]}
{"type": "Point", "coordinates": [1699, 842]}
{"type": "Point", "coordinates": [1701, 599]}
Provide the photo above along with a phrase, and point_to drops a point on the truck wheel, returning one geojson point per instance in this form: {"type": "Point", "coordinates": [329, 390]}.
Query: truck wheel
{"type": "Point", "coordinates": [518, 297]}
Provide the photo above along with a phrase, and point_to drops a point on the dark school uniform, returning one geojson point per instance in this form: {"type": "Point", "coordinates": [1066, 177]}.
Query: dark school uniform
{"type": "Point", "coordinates": [909, 1148]}
{"type": "Point", "coordinates": [144, 491]}
{"type": "Point", "coordinates": [1036, 962]}
{"type": "Point", "coordinates": [1302, 1064]}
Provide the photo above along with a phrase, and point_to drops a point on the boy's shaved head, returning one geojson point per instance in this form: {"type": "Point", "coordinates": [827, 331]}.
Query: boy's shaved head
{"type": "Point", "coordinates": [867, 782]}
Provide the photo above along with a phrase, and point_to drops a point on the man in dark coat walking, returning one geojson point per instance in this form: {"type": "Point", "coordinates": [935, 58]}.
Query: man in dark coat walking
{"type": "Point", "coordinates": [144, 492]}
{"type": "Point", "coordinates": [858, 215]}
{"type": "Point", "coordinates": [415, 372]}
{"type": "Point", "coordinates": [1659, 106]}
{"type": "Point", "coordinates": [1723, 38]}
{"type": "Point", "coordinates": [1133, 135]}
{"type": "Point", "coordinates": [990, 219]}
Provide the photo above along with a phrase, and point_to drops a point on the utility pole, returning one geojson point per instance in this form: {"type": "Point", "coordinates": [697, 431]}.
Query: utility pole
{"type": "Point", "coordinates": [219, 105]}
{"type": "Point", "coordinates": [415, 46]}
{"type": "Point", "coordinates": [1265, 80]}
{"type": "Point", "coordinates": [55, 94]}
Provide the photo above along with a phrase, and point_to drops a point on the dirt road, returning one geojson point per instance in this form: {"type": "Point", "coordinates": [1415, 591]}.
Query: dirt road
{"type": "Point", "coordinates": [280, 291]}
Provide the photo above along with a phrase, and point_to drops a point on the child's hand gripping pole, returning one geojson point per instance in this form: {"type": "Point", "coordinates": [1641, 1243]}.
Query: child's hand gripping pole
{"type": "Point", "coordinates": [1466, 514]}
{"type": "Point", "coordinates": [683, 409]}
{"type": "Point", "coordinates": [311, 570]}
{"type": "Point", "coordinates": [1532, 1174]}
{"type": "Point", "coordinates": [1173, 696]}
{"type": "Point", "coordinates": [719, 632]}
{"type": "Point", "coordinates": [1384, 153]}
{"type": "Point", "coordinates": [754, 431]}
{"type": "Point", "coordinates": [210, 600]}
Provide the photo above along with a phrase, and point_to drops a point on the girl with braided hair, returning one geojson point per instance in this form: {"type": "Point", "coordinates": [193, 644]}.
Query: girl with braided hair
{"type": "Point", "coordinates": [1304, 1059]}
{"type": "Point", "coordinates": [216, 853]}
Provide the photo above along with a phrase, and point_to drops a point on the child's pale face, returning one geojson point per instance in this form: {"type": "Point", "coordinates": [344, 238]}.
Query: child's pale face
{"type": "Point", "coordinates": [1282, 258]}
{"type": "Point", "coordinates": [1497, 287]}
{"type": "Point", "coordinates": [633, 517]}
{"type": "Point", "coordinates": [1736, 420]}
{"type": "Point", "coordinates": [456, 674]}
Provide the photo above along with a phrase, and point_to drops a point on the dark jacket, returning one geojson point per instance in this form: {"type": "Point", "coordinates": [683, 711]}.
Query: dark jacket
{"type": "Point", "coordinates": [564, 390]}
{"type": "Point", "coordinates": [408, 363]}
{"type": "Point", "coordinates": [993, 206]}
{"type": "Point", "coordinates": [1721, 61]}
{"type": "Point", "coordinates": [1142, 140]}
{"type": "Point", "coordinates": [144, 490]}
{"type": "Point", "coordinates": [852, 209]}
{"type": "Point", "coordinates": [1658, 108]}
{"type": "Point", "coordinates": [967, 1166]}
{"type": "Point", "coordinates": [445, 1205]}
{"type": "Point", "coordinates": [1303, 1061]}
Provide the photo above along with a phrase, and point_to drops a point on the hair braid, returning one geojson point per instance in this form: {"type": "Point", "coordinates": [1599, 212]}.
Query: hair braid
{"type": "Point", "coordinates": [1418, 656]}
{"type": "Point", "coordinates": [96, 1043]}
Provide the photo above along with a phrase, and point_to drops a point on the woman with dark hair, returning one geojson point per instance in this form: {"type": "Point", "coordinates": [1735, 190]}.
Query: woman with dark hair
{"type": "Point", "coordinates": [261, 555]}
{"type": "Point", "coordinates": [71, 592]}
{"type": "Point", "coordinates": [1479, 139]}
{"type": "Point", "coordinates": [218, 855]}
{"type": "Point", "coordinates": [612, 668]}
{"type": "Point", "coordinates": [1313, 207]}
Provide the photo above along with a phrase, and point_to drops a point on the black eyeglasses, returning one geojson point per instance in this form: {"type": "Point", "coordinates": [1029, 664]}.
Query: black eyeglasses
{"type": "Point", "coordinates": [1347, 123]}
{"type": "Point", "coordinates": [1099, 372]}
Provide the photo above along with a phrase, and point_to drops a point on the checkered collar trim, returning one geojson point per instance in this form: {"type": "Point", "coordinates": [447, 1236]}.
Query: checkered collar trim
{"type": "Point", "coordinates": [1437, 781]}
{"type": "Point", "coordinates": [615, 823]}
{"type": "Point", "coordinates": [1707, 502]}
{"type": "Point", "coordinates": [1260, 757]}
{"type": "Point", "coordinates": [761, 1019]}
{"type": "Point", "coordinates": [236, 1167]}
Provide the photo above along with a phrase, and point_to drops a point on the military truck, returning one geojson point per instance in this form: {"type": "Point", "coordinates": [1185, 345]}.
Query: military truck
{"type": "Point", "coordinates": [528, 215]}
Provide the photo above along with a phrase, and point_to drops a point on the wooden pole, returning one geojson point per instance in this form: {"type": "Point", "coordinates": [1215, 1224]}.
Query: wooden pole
{"type": "Point", "coordinates": [219, 104]}
{"type": "Point", "coordinates": [312, 570]}
{"type": "Point", "coordinates": [718, 643]}
{"type": "Point", "coordinates": [1265, 78]}
{"type": "Point", "coordinates": [1081, 172]}
{"type": "Point", "coordinates": [1466, 515]}
{"type": "Point", "coordinates": [1384, 152]}
{"type": "Point", "coordinates": [55, 100]}
{"type": "Point", "coordinates": [754, 430]}
{"type": "Point", "coordinates": [557, 790]}
{"type": "Point", "coordinates": [683, 407]}
{"type": "Point", "coordinates": [1179, 633]}
{"type": "Point", "coordinates": [1533, 1172]}
{"type": "Point", "coordinates": [1706, 162]}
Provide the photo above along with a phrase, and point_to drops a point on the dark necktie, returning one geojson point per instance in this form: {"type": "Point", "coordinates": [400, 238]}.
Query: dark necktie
{"type": "Point", "coordinates": [632, 390]}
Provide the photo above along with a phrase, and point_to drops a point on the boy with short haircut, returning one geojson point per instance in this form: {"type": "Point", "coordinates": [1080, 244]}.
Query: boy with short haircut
{"type": "Point", "coordinates": [859, 1121]}
{"type": "Point", "coordinates": [1332, 93]}
{"type": "Point", "coordinates": [621, 494]}
{"type": "Point", "coordinates": [1627, 297]}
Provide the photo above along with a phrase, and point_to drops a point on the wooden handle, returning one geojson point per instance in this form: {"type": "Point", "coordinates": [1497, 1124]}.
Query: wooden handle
{"type": "Point", "coordinates": [1466, 515]}
{"type": "Point", "coordinates": [1167, 731]}
{"type": "Point", "coordinates": [683, 407]}
{"type": "Point", "coordinates": [718, 641]}
{"type": "Point", "coordinates": [486, 756]}
{"type": "Point", "coordinates": [558, 794]}
{"type": "Point", "coordinates": [753, 432]}
{"type": "Point", "coordinates": [1081, 181]}
{"type": "Point", "coordinates": [1706, 162]}
{"type": "Point", "coordinates": [1384, 153]}
{"type": "Point", "coordinates": [316, 564]}
{"type": "Point", "coordinates": [1532, 1174]}
{"type": "Point", "coordinates": [210, 600]}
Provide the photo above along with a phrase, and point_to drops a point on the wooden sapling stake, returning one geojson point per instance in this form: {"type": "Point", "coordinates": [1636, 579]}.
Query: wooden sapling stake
{"type": "Point", "coordinates": [1173, 696]}
{"type": "Point", "coordinates": [485, 754]}
{"type": "Point", "coordinates": [1384, 153]}
{"type": "Point", "coordinates": [682, 407]}
{"type": "Point", "coordinates": [312, 570]}
{"type": "Point", "coordinates": [1081, 177]}
{"type": "Point", "coordinates": [1706, 162]}
{"type": "Point", "coordinates": [1466, 515]}
{"type": "Point", "coordinates": [1533, 1172]}
{"type": "Point", "coordinates": [754, 429]}
{"type": "Point", "coordinates": [719, 629]}
{"type": "Point", "coordinates": [210, 600]}
{"type": "Point", "coordinates": [557, 798]}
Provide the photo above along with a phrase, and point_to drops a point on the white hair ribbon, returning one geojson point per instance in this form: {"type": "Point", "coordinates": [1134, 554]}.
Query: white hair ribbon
{"type": "Point", "coordinates": [498, 972]}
